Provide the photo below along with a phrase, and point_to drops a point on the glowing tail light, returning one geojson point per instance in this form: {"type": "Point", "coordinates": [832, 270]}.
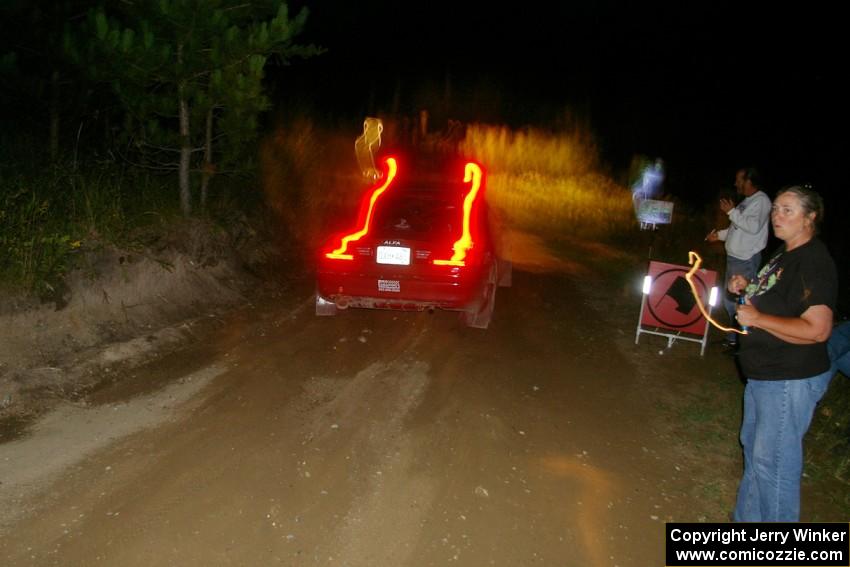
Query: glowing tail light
{"type": "Point", "coordinates": [341, 253]}
{"type": "Point", "coordinates": [472, 173]}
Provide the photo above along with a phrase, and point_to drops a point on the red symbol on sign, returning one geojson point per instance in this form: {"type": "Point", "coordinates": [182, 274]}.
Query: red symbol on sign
{"type": "Point", "coordinates": [671, 303]}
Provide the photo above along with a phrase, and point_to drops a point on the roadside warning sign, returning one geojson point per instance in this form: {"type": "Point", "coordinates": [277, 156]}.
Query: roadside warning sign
{"type": "Point", "coordinates": [669, 303]}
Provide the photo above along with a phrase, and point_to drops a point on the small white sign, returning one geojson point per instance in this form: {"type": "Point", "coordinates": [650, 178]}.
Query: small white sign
{"type": "Point", "coordinates": [651, 211]}
{"type": "Point", "coordinates": [389, 285]}
{"type": "Point", "coordinates": [396, 255]}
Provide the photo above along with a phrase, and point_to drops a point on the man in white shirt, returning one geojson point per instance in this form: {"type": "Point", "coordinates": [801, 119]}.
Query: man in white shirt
{"type": "Point", "coordinates": [746, 235]}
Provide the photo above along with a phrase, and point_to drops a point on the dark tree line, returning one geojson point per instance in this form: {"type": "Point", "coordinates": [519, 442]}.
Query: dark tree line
{"type": "Point", "coordinates": [177, 84]}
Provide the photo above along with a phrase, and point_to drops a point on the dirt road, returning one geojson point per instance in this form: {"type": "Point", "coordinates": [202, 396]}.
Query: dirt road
{"type": "Point", "coordinates": [373, 439]}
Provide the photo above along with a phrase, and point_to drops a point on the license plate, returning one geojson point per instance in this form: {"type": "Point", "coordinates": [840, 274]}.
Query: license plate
{"type": "Point", "coordinates": [397, 255]}
{"type": "Point", "coordinates": [389, 285]}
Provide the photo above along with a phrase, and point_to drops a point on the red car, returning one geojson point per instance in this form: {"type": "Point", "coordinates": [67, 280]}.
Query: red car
{"type": "Point", "coordinates": [419, 243]}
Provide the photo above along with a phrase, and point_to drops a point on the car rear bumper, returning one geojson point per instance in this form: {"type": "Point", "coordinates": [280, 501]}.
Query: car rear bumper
{"type": "Point", "coordinates": [372, 291]}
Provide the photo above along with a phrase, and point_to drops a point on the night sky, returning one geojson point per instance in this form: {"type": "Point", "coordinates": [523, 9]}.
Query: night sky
{"type": "Point", "coordinates": [707, 87]}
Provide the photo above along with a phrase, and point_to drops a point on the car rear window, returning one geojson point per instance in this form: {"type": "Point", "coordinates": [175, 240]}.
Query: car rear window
{"type": "Point", "coordinates": [418, 214]}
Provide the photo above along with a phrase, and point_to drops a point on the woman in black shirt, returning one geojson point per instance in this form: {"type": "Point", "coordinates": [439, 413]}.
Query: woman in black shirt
{"type": "Point", "coordinates": [788, 314]}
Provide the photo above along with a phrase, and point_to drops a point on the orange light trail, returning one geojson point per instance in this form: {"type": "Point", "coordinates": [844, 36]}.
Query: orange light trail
{"type": "Point", "coordinates": [473, 173]}
{"type": "Point", "coordinates": [695, 260]}
{"type": "Point", "coordinates": [339, 253]}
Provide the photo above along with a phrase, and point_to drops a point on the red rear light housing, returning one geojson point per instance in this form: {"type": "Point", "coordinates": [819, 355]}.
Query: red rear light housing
{"type": "Point", "coordinates": [367, 208]}
{"type": "Point", "coordinates": [472, 174]}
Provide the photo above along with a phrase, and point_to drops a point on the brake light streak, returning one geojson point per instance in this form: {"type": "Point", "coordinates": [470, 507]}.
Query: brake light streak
{"type": "Point", "coordinates": [694, 258]}
{"type": "Point", "coordinates": [341, 252]}
{"type": "Point", "coordinates": [473, 173]}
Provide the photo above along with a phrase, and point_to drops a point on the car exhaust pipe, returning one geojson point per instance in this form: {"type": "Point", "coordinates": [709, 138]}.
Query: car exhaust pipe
{"type": "Point", "coordinates": [342, 303]}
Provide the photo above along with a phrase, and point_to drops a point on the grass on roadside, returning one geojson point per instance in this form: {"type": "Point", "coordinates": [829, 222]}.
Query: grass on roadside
{"type": "Point", "coordinates": [549, 183]}
{"type": "Point", "coordinates": [47, 215]}
{"type": "Point", "coordinates": [827, 444]}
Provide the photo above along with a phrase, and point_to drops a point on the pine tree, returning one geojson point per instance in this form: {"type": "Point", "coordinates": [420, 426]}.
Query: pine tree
{"type": "Point", "coordinates": [188, 74]}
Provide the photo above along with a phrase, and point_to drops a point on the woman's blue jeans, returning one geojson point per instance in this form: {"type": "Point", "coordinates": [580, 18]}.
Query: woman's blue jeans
{"type": "Point", "coordinates": [777, 415]}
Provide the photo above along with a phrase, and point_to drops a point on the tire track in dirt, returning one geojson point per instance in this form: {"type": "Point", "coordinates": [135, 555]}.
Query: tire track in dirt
{"type": "Point", "coordinates": [376, 438]}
